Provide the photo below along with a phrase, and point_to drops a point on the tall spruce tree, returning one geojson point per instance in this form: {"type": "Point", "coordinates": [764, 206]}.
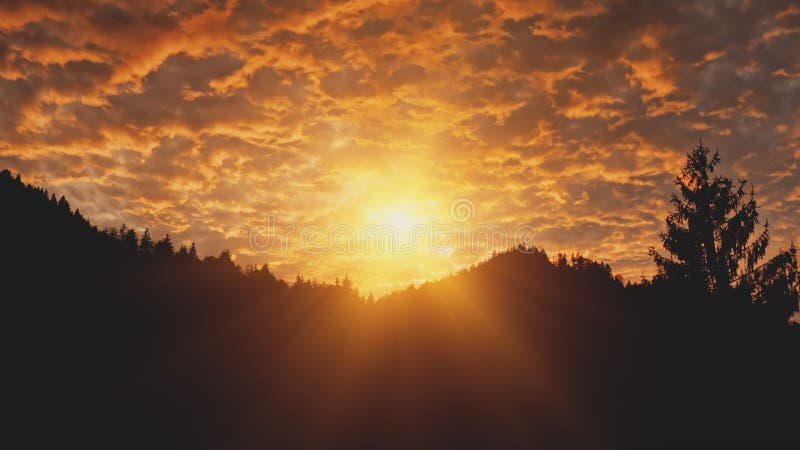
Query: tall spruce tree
{"type": "Point", "coordinates": [146, 243]}
{"type": "Point", "coordinates": [712, 241]}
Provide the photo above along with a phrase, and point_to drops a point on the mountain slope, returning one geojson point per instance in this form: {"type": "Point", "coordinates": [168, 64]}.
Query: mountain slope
{"type": "Point", "coordinates": [119, 344]}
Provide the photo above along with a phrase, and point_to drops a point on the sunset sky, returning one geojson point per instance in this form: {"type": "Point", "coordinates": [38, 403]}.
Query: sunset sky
{"type": "Point", "coordinates": [205, 118]}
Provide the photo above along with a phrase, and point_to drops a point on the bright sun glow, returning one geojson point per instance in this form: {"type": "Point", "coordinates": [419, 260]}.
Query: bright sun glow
{"type": "Point", "coordinates": [401, 218]}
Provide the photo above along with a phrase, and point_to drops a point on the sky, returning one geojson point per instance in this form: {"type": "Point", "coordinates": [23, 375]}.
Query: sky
{"type": "Point", "coordinates": [268, 128]}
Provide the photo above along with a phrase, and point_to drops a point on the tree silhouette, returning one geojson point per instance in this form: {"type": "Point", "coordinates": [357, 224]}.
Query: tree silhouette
{"type": "Point", "coordinates": [710, 238]}
{"type": "Point", "coordinates": [164, 247]}
{"type": "Point", "coordinates": [63, 203]}
{"type": "Point", "coordinates": [146, 243]}
{"type": "Point", "coordinates": [129, 239]}
{"type": "Point", "coordinates": [130, 341]}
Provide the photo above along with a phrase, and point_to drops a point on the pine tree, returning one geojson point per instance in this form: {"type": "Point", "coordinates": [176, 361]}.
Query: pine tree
{"type": "Point", "coordinates": [63, 204]}
{"type": "Point", "coordinates": [129, 239]}
{"type": "Point", "coordinates": [265, 274]}
{"type": "Point", "coordinates": [164, 247]}
{"type": "Point", "coordinates": [146, 243]}
{"type": "Point", "coordinates": [710, 236]}
{"type": "Point", "coordinates": [347, 283]}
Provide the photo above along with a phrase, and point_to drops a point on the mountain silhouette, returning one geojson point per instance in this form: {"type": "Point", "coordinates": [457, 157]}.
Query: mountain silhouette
{"type": "Point", "coordinates": [117, 340]}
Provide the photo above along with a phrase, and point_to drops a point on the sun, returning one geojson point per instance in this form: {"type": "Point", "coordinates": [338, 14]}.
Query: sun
{"type": "Point", "coordinates": [402, 218]}
{"type": "Point", "coordinates": [403, 221]}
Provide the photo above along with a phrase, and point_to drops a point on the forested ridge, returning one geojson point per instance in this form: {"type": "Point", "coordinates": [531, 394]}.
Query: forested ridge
{"type": "Point", "coordinates": [120, 340]}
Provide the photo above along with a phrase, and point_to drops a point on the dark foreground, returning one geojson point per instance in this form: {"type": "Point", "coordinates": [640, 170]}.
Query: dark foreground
{"type": "Point", "coordinates": [112, 347]}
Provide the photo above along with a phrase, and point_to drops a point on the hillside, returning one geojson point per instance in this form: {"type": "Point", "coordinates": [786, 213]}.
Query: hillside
{"type": "Point", "coordinates": [120, 343]}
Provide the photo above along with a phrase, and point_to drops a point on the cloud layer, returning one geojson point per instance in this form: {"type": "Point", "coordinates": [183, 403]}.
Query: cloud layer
{"type": "Point", "coordinates": [203, 118]}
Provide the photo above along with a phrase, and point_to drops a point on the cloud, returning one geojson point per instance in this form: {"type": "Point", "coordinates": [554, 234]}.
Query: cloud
{"type": "Point", "coordinates": [346, 82]}
{"type": "Point", "coordinates": [268, 83]}
{"type": "Point", "coordinates": [78, 76]}
{"type": "Point", "coordinates": [200, 118]}
{"type": "Point", "coordinates": [46, 33]}
{"type": "Point", "coordinates": [372, 28]}
{"type": "Point", "coordinates": [181, 72]}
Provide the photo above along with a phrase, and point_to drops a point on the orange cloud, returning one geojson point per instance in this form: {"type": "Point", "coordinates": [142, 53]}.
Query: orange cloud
{"type": "Point", "coordinates": [204, 118]}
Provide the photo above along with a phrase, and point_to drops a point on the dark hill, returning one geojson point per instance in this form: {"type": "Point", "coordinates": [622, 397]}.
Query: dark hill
{"type": "Point", "coordinates": [116, 341]}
